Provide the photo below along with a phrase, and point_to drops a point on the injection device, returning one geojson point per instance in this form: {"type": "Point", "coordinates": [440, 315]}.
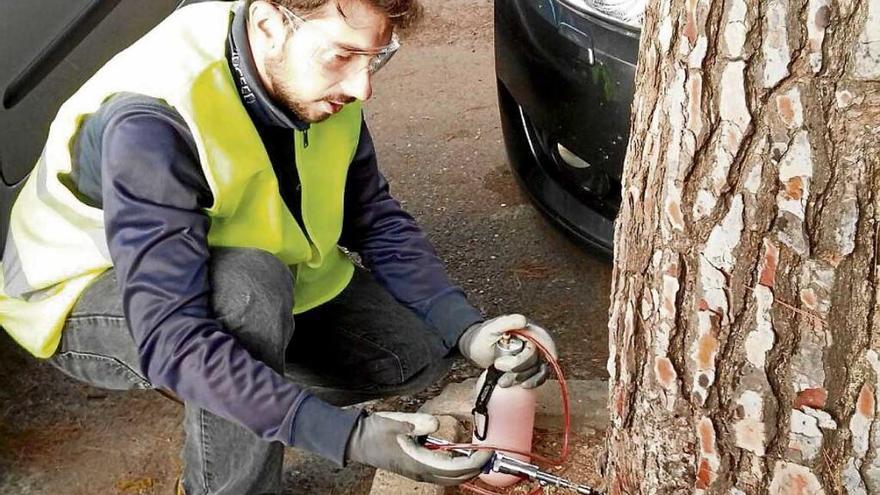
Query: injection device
{"type": "Point", "coordinates": [504, 464]}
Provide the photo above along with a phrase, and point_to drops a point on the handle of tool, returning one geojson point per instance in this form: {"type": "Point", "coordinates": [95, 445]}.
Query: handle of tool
{"type": "Point", "coordinates": [429, 440]}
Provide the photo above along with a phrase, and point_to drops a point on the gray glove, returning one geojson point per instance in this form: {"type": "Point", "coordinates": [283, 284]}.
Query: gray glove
{"type": "Point", "coordinates": [526, 368]}
{"type": "Point", "coordinates": [386, 440]}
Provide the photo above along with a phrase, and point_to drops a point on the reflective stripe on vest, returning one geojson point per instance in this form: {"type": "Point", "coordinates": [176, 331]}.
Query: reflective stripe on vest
{"type": "Point", "coordinates": [56, 245]}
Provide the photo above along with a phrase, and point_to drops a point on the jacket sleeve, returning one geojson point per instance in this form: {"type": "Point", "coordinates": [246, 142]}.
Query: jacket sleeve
{"type": "Point", "coordinates": [396, 250]}
{"type": "Point", "coordinates": [153, 192]}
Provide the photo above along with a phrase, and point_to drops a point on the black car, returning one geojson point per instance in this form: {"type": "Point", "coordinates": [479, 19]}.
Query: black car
{"type": "Point", "coordinates": [566, 71]}
{"type": "Point", "coordinates": [49, 49]}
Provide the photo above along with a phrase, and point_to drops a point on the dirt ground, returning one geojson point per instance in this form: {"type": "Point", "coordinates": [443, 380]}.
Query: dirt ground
{"type": "Point", "coordinates": [435, 121]}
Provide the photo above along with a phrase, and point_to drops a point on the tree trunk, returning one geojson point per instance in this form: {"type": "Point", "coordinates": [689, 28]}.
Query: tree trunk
{"type": "Point", "coordinates": [744, 330]}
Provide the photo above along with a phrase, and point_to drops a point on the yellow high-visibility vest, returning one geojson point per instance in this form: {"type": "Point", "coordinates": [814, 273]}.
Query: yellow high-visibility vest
{"type": "Point", "coordinates": [56, 243]}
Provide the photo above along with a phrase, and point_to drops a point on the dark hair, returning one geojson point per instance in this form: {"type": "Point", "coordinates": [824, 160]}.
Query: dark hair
{"type": "Point", "coordinates": [404, 14]}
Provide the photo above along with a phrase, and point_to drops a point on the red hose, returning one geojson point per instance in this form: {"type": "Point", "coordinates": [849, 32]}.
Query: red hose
{"type": "Point", "coordinates": [566, 425]}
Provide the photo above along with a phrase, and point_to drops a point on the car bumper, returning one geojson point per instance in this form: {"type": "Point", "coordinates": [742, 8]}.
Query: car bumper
{"type": "Point", "coordinates": [565, 87]}
{"type": "Point", "coordinates": [586, 224]}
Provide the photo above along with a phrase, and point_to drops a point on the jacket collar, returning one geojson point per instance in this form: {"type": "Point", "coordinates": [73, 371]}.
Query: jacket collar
{"type": "Point", "coordinates": [263, 110]}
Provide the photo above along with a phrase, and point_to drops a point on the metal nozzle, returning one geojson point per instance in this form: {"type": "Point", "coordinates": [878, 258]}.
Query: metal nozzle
{"type": "Point", "coordinates": [509, 345]}
{"type": "Point", "coordinates": [510, 465]}
{"type": "Point", "coordinates": [505, 464]}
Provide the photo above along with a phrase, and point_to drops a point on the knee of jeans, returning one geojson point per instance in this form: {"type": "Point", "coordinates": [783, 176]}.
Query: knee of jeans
{"type": "Point", "coordinates": [431, 373]}
{"type": "Point", "coordinates": [242, 273]}
{"type": "Point", "coordinates": [250, 286]}
{"type": "Point", "coordinates": [401, 369]}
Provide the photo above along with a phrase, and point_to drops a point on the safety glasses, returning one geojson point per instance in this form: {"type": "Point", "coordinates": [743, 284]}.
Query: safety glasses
{"type": "Point", "coordinates": [336, 59]}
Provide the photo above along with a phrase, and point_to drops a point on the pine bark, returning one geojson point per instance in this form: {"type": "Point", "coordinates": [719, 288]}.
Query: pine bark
{"type": "Point", "coordinates": [744, 334]}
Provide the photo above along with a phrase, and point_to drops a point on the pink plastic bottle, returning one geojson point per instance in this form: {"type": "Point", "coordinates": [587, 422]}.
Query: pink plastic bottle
{"type": "Point", "coordinates": [509, 415]}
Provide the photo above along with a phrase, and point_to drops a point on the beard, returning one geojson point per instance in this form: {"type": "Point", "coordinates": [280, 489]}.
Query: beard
{"type": "Point", "coordinates": [308, 111]}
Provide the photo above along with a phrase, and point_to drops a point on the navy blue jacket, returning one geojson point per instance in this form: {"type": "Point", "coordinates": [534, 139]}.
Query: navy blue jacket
{"type": "Point", "coordinates": [136, 158]}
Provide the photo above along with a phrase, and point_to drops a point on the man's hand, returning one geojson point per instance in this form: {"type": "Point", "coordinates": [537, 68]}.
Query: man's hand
{"type": "Point", "coordinates": [527, 368]}
{"type": "Point", "coordinates": [386, 440]}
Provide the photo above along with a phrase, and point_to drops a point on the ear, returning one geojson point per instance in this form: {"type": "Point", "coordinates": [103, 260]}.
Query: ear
{"type": "Point", "coordinates": [266, 27]}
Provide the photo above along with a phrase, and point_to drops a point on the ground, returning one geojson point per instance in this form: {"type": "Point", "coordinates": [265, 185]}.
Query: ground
{"type": "Point", "coordinates": [435, 122]}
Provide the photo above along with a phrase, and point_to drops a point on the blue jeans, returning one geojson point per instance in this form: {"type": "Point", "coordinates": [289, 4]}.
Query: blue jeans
{"type": "Point", "coordinates": [361, 345]}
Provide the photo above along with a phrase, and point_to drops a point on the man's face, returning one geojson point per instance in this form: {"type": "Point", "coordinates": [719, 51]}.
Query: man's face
{"type": "Point", "coordinates": [323, 62]}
